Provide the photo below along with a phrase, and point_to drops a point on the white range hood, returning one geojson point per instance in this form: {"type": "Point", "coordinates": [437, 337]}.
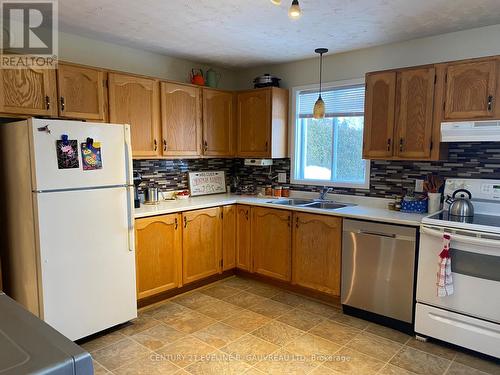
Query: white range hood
{"type": "Point", "coordinates": [470, 131]}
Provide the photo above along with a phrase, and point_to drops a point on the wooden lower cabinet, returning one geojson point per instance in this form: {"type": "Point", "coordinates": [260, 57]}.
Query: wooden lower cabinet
{"type": "Point", "coordinates": [158, 243]}
{"type": "Point", "coordinates": [316, 254]}
{"type": "Point", "coordinates": [243, 238]}
{"type": "Point", "coordinates": [201, 244]}
{"type": "Point", "coordinates": [271, 242]}
{"type": "Point", "coordinates": [228, 237]}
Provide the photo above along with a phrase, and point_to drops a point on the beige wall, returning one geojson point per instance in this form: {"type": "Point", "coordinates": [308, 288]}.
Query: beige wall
{"type": "Point", "coordinates": [112, 56]}
{"type": "Point", "coordinates": [478, 42]}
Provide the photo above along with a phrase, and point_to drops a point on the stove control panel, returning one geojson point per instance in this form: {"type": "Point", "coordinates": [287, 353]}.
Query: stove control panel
{"type": "Point", "coordinates": [480, 189]}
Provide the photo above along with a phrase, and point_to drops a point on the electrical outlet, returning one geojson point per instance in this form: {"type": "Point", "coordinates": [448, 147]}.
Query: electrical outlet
{"type": "Point", "coordinates": [419, 186]}
{"type": "Point", "coordinates": [282, 178]}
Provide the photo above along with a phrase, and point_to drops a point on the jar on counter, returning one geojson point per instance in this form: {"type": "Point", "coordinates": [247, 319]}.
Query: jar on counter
{"type": "Point", "coordinates": [269, 190]}
{"type": "Point", "coordinates": [277, 191]}
{"type": "Point", "coordinates": [285, 191]}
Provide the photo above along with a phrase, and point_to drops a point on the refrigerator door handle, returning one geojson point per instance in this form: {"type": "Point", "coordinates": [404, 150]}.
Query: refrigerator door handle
{"type": "Point", "coordinates": [128, 157]}
{"type": "Point", "coordinates": [130, 218]}
{"type": "Point", "coordinates": [130, 188]}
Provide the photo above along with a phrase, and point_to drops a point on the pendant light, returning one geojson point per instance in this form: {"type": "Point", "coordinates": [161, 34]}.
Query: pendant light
{"type": "Point", "coordinates": [319, 106]}
{"type": "Point", "coordinates": [294, 12]}
{"type": "Point", "coordinates": [276, 2]}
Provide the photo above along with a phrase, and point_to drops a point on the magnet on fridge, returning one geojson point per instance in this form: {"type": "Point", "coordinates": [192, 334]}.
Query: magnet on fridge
{"type": "Point", "coordinates": [91, 155]}
{"type": "Point", "coordinates": [67, 153]}
{"type": "Point", "coordinates": [64, 139]}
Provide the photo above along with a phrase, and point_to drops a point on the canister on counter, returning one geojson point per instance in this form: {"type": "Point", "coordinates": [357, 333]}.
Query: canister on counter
{"type": "Point", "coordinates": [277, 191]}
{"type": "Point", "coordinates": [269, 190]}
{"type": "Point", "coordinates": [285, 191]}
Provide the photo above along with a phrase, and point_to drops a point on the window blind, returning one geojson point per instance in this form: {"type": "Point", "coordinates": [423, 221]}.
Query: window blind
{"type": "Point", "coordinates": [339, 101]}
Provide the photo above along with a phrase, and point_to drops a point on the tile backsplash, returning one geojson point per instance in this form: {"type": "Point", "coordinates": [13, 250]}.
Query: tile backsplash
{"type": "Point", "coordinates": [387, 178]}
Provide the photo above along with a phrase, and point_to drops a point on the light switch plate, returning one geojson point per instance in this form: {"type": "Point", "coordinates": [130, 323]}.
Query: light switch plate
{"type": "Point", "coordinates": [282, 178]}
{"type": "Point", "coordinates": [419, 186]}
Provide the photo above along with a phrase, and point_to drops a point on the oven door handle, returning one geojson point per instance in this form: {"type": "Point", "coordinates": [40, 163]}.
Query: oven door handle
{"type": "Point", "coordinates": [475, 240]}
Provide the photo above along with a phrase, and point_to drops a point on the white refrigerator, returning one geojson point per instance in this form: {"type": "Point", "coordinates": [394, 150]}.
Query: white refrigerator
{"type": "Point", "coordinates": [70, 256]}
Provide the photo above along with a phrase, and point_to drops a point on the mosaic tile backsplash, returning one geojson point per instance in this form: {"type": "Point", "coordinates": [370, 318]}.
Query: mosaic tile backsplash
{"type": "Point", "coordinates": [387, 178]}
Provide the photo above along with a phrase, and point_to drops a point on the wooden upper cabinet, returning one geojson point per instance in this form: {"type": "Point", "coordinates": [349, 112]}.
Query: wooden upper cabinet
{"type": "Point", "coordinates": [181, 120]}
{"type": "Point", "coordinates": [81, 92]}
{"type": "Point", "coordinates": [271, 242]}
{"type": "Point", "coordinates": [30, 92]}
{"type": "Point", "coordinates": [262, 123]}
{"type": "Point", "coordinates": [136, 101]}
{"type": "Point", "coordinates": [228, 237]}
{"type": "Point", "coordinates": [380, 100]}
{"type": "Point", "coordinates": [317, 242]}
{"type": "Point", "coordinates": [201, 244]}
{"type": "Point", "coordinates": [158, 244]}
{"type": "Point", "coordinates": [243, 238]}
{"type": "Point", "coordinates": [218, 123]}
{"type": "Point", "coordinates": [415, 103]}
{"type": "Point", "coordinates": [471, 90]}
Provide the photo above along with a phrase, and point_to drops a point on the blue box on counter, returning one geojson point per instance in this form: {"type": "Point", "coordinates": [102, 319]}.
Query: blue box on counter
{"type": "Point", "coordinates": [416, 206]}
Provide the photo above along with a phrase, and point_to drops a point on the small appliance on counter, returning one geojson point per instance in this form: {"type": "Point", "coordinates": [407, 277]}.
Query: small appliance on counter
{"type": "Point", "coordinates": [266, 80]}
{"type": "Point", "coordinates": [151, 195]}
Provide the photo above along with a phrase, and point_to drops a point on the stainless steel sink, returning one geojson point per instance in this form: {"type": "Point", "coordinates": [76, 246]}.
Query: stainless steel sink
{"type": "Point", "coordinates": [311, 203]}
{"type": "Point", "coordinates": [327, 205]}
{"type": "Point", "coordinates": [293, 202]}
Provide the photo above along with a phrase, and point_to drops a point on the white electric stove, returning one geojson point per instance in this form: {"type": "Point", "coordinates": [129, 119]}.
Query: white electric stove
{"type": "Point", "coordinates": [471, 316]}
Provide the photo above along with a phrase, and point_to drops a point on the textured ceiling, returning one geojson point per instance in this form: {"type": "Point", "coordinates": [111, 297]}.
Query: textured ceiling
{"type": "Point", "coordinates": [243, 33]}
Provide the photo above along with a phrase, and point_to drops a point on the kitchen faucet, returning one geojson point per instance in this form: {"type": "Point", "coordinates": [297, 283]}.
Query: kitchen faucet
{"type": "Point", "coordinates": [323, 192]}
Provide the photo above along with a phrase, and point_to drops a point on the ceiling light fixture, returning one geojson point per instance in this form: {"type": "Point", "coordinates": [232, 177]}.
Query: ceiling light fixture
{"type": "Point", "coordinates": [319, 106]}
{"type": "Point", "coordinates": [294, 12]}
{"type": "Point", "coordinates": [276, 2]}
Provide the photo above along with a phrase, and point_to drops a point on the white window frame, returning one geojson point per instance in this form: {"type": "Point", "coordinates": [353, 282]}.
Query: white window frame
{"type": "Point", "coordinates": [293, 141]}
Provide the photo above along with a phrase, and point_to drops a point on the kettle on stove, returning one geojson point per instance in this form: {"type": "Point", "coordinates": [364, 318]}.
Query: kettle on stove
{"type": "Point", "coordinates": [460, 204]}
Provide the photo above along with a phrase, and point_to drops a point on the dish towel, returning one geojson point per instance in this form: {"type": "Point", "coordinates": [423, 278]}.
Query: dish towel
{"type": "Point", "coordinates": [444, 278]}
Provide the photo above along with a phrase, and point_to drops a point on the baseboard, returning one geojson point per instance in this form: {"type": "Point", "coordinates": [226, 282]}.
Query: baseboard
{"type": "Point", "coordinates": [185, 288]}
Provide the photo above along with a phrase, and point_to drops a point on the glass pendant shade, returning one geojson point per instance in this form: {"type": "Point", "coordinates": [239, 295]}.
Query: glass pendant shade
{"type": "Point", "coordinates": [276, 2]}
{"type": "Point", "coordinates": [294, 12]}
{"type": "Point", "coordinates": [319, 109]}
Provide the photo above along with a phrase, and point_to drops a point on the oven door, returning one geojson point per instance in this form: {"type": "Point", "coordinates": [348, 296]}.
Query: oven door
{"type": "Point", "coordinates": [475, 260]}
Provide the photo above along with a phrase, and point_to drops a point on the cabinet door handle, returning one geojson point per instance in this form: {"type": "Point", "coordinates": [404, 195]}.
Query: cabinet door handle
{"type": "Point", "coordinates": [63, 104]}
{"type": "Point", "coordinates": [401, 144]}
{"type": "Point", "coordinates": [164, 145]}
{"type": "Point", "coordinates": [47, 102]}
{"type": "Point", "coordinates": [490, 103]}
{"type": "Point", "coordinates": [267, 146]}
{"type": "Point", "coordinates": [176, 223]}
{"type": "Point", "coordinates": [185, 222]}
{"type": "Point", "coordinates": [389, 144]}
{"type": "Point", "coordinates": [155, 145]}
{"type": "Point", "coordinates": [289, 220]}
{"type": "Point", "coordinates": [246, 215]}
{"type": "Point", "coordinates": [205, 145]}
{"type": "Point", "coordinates": [297, 222]}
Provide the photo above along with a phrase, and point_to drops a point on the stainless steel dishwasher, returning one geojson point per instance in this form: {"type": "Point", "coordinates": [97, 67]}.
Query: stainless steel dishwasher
{"type": "Point", "coordinates": [378, 271]}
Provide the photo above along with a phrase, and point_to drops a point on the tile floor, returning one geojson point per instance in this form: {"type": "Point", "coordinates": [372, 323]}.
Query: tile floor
{"type": "Point", "coordinates": [241, 326]}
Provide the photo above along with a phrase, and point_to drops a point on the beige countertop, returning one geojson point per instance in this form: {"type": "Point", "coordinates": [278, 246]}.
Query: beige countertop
{"type": "Point", "coordinates": [373, 209]}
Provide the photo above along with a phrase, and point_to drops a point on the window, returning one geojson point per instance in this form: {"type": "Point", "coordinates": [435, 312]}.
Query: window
{"type": "Point", "coordinates": [329, 151]}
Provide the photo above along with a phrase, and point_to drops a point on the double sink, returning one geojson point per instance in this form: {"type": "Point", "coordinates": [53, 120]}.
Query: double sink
{"type": "Point", "coordinates": [311, 203]}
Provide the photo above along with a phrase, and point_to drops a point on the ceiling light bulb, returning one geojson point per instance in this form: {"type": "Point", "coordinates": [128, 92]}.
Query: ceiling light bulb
{"type": "Point", "coordinates": [276, 2]}
{"type": "Point", "coordinates": [294, 12]}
